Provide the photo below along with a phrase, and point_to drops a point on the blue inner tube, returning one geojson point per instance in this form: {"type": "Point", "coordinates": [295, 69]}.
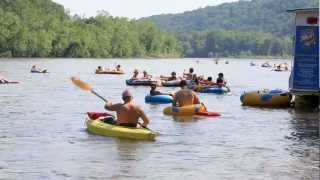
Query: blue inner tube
{"type": "Point", "coordinates": [158, 99]}
{"type": "Point", "coordinates": [175, 83]}
{"type": "Point", "coordinates": [139, 82]}
{"type": "Point", "coordinates": [214, 90]}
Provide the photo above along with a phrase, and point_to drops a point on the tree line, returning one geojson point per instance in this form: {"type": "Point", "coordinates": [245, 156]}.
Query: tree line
{"type": "Point", "coordinates": [41, 28]}
{"type": "Point", "coordinates": [222, 43]}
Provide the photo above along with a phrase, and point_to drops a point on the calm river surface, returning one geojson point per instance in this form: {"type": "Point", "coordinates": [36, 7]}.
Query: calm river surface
{"type": "Point", "coordinates": [43, 136]}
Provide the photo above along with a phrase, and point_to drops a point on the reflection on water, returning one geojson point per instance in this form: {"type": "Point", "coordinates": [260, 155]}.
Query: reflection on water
{"type": "Point", "coordinates": [43, 136]}
{"type": "Point", "coordinates": [305, 132]}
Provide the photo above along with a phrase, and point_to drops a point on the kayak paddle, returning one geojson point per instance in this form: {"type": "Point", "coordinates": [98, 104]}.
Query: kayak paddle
{"type": "Point", "coordinates": [86, 87]}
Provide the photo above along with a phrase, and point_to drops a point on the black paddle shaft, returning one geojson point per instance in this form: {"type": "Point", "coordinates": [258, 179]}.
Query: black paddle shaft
{"type": "Point", "coordinates": [93, 92]}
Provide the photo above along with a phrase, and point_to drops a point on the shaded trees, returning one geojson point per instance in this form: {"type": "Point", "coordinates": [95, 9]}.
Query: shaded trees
{"type": "Point", "coordinates": [41, 28]}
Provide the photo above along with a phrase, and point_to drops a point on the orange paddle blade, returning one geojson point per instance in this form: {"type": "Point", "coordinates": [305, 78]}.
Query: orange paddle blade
{"type": "Point", "coordinates": [81, 84]}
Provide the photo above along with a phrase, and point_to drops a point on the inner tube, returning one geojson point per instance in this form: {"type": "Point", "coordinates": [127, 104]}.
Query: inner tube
{"type": "Point", "coordinates": [131, 82]}
{"type": "Point", "coordinates": [109, 72]}
{"type": "Point", "coordinates": [279, 70]}
{"type": "Point", "coordinates": [158, 99]}
{"type": "Point", "coordinates": [10, 82]}
{"type": "Point", "coordinates": [191, 110]}
{"type": "Point", "coordinates": [182, 111]}
{"type": "Point", "coordinates": [174, 83]}
{"type": "Point", "coordinates": [266, 65]}
{"type": "Point", "coordinates": [266, 98]}
{"type": "Point", "coordinates": [214, 90]}
{"type": "Point", "coordinates": [44, 71]}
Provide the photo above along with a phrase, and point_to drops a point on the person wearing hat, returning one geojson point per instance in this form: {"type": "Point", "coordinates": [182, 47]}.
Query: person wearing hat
{"type": "Point", "coordinates": [128, 113]}
{"type": "Point", "coordinates": [185, 96]}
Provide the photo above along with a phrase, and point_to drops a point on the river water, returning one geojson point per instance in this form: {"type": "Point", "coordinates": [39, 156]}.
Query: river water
{"type": "Point", "coordinates": [43, 135]}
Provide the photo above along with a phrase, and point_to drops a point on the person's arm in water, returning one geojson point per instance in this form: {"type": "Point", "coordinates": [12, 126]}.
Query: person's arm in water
{"type": "Point", "coordinates": [144, 117]}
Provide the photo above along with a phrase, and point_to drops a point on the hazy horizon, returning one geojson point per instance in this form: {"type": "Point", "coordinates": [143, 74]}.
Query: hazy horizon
{"type": "Point", "coordinates": [135, 9]}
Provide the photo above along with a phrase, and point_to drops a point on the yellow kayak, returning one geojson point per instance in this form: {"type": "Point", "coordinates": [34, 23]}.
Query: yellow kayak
{"type": "Point", "coordinates": [101, 128]}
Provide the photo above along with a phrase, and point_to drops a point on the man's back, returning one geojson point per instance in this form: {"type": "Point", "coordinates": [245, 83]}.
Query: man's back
{"type": "Point", "coordinates": [127, 113]}
{"type": "Point", "coordinates": [185, 97]}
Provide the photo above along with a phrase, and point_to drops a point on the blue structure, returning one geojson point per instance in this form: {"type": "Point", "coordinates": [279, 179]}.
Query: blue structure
{"type": "Point", "coordinates": [304, 79]}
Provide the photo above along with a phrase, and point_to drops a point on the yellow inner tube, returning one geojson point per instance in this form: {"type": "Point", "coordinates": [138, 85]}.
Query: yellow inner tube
{"type": "Point", "coordinates": [182, 111]}
{"type": "Point", "coordinates": [275, 100]}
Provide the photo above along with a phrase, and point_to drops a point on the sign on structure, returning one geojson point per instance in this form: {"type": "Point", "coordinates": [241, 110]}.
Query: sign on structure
{"type": "Point", "coordinates": [305, 72]}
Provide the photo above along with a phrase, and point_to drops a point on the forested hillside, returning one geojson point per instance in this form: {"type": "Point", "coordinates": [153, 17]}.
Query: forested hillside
{"type": "Point", "coordinates": [222, 43]}
{"type": "Point", "coordinates": [244, 28]}
{"type": "Point", "coordinates": [267, 16]}
{"type": "Point", "coordinates": [41, 28]}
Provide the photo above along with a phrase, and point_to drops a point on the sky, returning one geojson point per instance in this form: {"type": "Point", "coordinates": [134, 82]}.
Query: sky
{"type": "Point", "coordinates": [135, 8]}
